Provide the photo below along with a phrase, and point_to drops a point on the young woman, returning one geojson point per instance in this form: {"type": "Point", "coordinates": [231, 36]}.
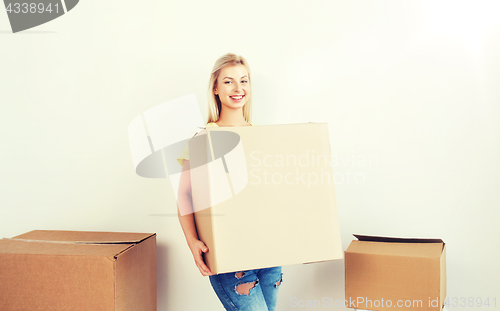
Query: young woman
{"type": "Point", "coordinates": [229, 101]}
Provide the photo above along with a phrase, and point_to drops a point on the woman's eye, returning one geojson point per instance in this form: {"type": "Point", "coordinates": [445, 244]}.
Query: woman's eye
{"type": "Point", "coordinates": [227, 82]}
{"type": "Point", "coordinates": [244, 81]}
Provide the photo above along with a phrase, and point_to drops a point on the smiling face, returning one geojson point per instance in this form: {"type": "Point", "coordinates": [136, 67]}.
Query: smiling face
{"type": "Point", "coordinates": [233, 86]}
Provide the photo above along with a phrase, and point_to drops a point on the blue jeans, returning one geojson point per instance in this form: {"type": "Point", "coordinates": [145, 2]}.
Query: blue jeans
{"type": "Point", "coordinates": [249, 290]}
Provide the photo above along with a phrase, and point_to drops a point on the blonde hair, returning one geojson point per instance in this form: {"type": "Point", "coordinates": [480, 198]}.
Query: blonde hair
{"type": "Point", "coordinates": [214, 104]}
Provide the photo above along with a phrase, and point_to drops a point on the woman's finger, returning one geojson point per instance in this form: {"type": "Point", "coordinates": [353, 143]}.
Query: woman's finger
{"type": "Point", "coordinates": [201, 264]}
{"type": "Point", "coordinates": [199, 268]}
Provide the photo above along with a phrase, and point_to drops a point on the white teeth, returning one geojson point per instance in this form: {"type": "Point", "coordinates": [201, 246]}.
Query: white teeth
{"type": "Point", "coordinates": [237, 97]}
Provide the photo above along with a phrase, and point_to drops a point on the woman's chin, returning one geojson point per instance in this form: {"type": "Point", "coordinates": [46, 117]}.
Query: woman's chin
{"type": "Point", "coordinates": [235, 105]}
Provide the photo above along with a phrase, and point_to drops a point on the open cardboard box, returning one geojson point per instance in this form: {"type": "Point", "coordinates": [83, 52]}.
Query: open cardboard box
{"type": "Point", "coordinates": [264, 196]}
{"type": "Point", "coordinates": [383, 273]}
{"type": "Point", "coordinates": [78, 270]}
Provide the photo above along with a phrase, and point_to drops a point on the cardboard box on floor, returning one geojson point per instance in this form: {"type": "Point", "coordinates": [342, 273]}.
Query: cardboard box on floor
{"type": "Point", "coordinates": [264, 196]}
{"type": "Point", "coordinates": [77, 270]}
{"type": "Point", "coordinates": [383, 273]}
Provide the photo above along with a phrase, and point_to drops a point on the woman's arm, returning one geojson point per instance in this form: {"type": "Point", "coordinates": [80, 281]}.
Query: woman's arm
{"type": "Point", "coordinates": [185, 203]}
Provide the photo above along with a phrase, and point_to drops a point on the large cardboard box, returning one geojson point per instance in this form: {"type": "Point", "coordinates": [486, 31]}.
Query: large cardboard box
{"type": "Point", "coordinates": [383, 273]}
{"type": "Point", "coordinates": [264, 196]}
{"type": "Point", "coordinates": [77, 270]}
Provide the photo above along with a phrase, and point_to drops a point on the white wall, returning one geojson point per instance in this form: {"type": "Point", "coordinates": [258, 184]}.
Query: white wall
{"type": "Point", "coordinates": [413, 84]}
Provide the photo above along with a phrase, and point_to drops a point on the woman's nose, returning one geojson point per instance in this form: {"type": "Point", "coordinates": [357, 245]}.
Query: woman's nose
{"type": "Point", "coordinates": [237, 86]}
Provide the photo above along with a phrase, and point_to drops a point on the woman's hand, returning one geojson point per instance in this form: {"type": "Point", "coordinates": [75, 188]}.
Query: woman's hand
{"type": "Point", "coordinates": [197, 247]}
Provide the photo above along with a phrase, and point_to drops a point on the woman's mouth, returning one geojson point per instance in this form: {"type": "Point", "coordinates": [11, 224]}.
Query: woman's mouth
{"type": "Point", "coordinates": [237, 98]}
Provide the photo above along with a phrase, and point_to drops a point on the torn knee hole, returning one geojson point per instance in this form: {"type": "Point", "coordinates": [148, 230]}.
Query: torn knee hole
{"type": "Point", "coordinates": [244, 288]}
{"type": "Point", "coordinates": [279, 282]}
{"type": "Point", "coordinates": [239, 275]}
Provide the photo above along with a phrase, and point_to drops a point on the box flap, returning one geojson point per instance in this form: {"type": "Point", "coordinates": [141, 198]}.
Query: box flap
{"type": "Point", "coordinates": [12, 246]}
{"type": "Point", "coordinates": [371, 238]}
{"type": "Point", "coordinates": [423, 250]}
{"type": "Point", "coordinates": [83, 237]}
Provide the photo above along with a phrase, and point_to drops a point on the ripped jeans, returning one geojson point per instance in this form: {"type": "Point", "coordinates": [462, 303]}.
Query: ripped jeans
{"type": "Point", "coordinates": [249, 290]}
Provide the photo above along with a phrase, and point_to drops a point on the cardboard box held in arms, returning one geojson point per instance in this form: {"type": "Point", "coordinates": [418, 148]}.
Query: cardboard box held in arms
{"type": "Point", "coordinates": [384, 273]}
{"type": "Point", "coordinates": [76, 270]}
{"type": "Point", "coordinates": [264, 196]}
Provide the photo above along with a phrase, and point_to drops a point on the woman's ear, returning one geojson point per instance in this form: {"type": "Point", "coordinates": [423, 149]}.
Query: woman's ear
{"type": "Point", "coordinates": [215, 91]}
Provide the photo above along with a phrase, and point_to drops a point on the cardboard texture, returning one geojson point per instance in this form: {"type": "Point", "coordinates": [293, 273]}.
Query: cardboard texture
{"type": "Point", "coordinates": [383, 273]}
{"type": "Point", "coordinates": [78, 270]}
{"type": "Point", "coordinates": [264, 196]}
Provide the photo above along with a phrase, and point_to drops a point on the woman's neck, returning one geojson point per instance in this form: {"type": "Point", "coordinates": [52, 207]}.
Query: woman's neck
{"type": "Point", "coordinates": [231, 117]}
